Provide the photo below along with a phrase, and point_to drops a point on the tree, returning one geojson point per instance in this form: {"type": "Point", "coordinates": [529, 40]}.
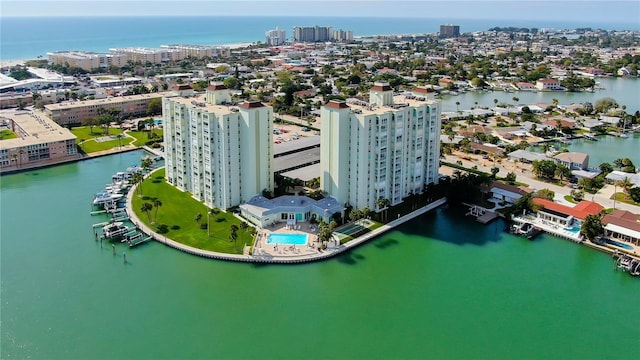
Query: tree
{"type": "Point", "coordinates": [603, 105]}
{"type": "Point", "coordinates": [147, 164]}
{"type": "Point", "coordinates": [231, 82]}
{"type": "Point", "coordinates": [233, 235]}
{"type": "Point", "coordinates": [605, 168]}
{"type": "Point", "coordinates": [137, 179]}
{"type": "Point", "coordinates": [90, 122]}
{"type": "Point", "coordinates": [515, 100]}
{"type": "Point", "coordinates": [494, 171]}
{"type": "Point", "coordinates": [544, 168]}
{"type": "Point", "coordinates": [154, 107]}
{"type": "Point", "coordinates": [634, 194]}
{"type": "Point", "coordinates": [577, 195]}
{"type": "Point", "coordinates": [457, 107]}
{"type": "Point", "coordinates": [625, 184]}
{"type": "Point", "coordinates": [146, 207]}
{"type": "Point", "coordinates": [591, 227]}
{"type": "Point", "coordinates": [562, 171]}
{"type": "Point", "coordinates": [545, 194]}
{"type": "Point", "coordinates": [511, 177]}
{"type": "Point", "coordinates": [383, 204]}
{"type": "Point", "coordinates": [156, 203]}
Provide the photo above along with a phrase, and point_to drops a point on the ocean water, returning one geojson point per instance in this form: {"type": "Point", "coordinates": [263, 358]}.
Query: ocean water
{"type": "Point", "coordinates": [26, 38]}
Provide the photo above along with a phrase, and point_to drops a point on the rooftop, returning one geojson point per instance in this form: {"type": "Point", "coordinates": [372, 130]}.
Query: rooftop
{"type": "Point", "coordinates": [579, 211]}
{"type": "Point", "coordinates": [33, 128]}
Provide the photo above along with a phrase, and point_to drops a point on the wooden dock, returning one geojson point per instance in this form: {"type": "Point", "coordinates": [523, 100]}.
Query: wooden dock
{"type": "Point", "coordinates": [487, 217]}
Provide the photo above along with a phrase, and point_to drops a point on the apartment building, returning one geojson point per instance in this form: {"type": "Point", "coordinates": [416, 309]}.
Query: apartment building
{"type": "Point", "coordinates": [74, 112]}
{"type": "Point", "coordinates": [218, 151]}
{"type": "Point", "coordinates": [387, 148]}
{"type": "Point", "coordinates": [449, 31]}
{"type": "Point", "coordinates": [87, 60]}
{"type": "Point", "coordinates": [152, 55]}
{"type": "Point", "coordinates": [312, 33]}
{"type": "Point", "coordinates": [39, 141]}
{"type": "Point", "coordinates": [198, 51]}
{"type": "Point", "coordinates": [275, 37]}
{"type": "Point", "coordinates": [342, 35]}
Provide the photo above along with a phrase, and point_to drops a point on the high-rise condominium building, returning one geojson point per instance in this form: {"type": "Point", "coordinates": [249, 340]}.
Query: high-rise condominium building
{"type": "Point", "coordinates": [219, 152]}
{"type": "Point", "coordinates": [387, 148]}
{"type": "Point", "coordinates": [275, 37]}
{"type": "Point", "coordinates": [312, 33]}
{"type": "Point", "coordinates": [449, 31]}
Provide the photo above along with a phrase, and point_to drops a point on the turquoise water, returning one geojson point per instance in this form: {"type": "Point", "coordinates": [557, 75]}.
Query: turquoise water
{"type": "Point", "coordinates": [607, 149]}
{"type": "Point", "coordinates": [441, 286]}
{"type": "Point", "coordinates": [22, 38]}
{"type": "Point", "coordinates": [619, 244]}
{"type": "Point", "coordinates": [287, 239]}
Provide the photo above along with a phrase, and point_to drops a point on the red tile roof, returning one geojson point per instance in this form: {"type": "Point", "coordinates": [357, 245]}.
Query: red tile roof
{"type": "Point", "coordinates": [381, 88]}
{"type": "Point", "coordinates": [251, 105]}
{"type": "Point", "coordinates": [579, 211]}
{"type": "Point", "coordinates": [182, 87]}
{"type": "Point", "coordinates": [423, 90]}
{"type": "Point", "coordinates": [337, 104]}
{"type": "Point", "coordinates": [216, 87]}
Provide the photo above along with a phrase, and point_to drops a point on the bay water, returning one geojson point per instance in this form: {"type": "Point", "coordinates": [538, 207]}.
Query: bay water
{"type": "Point", "coordinates": [440, 286]}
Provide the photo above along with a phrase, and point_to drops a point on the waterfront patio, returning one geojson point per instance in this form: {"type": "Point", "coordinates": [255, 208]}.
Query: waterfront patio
{"type": "Point", "coordinates": [261, 248]}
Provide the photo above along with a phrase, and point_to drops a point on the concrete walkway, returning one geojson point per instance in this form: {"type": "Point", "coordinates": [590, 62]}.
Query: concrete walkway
{"type": "Point", "coordinates": [270, 258]}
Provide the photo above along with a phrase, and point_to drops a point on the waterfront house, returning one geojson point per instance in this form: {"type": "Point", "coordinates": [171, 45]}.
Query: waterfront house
{"type": "Point", "coordinates": [573, 160]}
{"type": "Point", "coordinates": [622, 225]}
{"type": "Point", "coordinates": [548, 85]}
{"type": "Point", "coordinates": [564, 215]}
{"type": "Point", "coordinates": [507, 193]}
{"type": "Point", "coordinates": [526, 156]}
{"type": "Point", "coordinates": [616, 176]}
{"type": "Point", "coordinates": [592, 124]}
{"type": "Point", "coordinates": [526, 86]}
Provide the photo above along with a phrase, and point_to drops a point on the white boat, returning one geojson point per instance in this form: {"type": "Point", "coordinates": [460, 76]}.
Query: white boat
{"type": "Point", "coordinates": [106, 197]}
{"type": "Point", "coordinates": [114, 229]}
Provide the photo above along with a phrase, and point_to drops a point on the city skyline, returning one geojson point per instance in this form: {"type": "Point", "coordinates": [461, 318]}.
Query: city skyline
{"type": "Point", "coordinates": [596, 11]}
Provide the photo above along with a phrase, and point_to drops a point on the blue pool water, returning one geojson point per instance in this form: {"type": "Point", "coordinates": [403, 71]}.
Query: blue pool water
{"type": "Point", "coordinates": [619, 244]}
{"type": "Point", "coordinates": [574, 230]}
{"type": "Point", "coordinates": [157, 121]}
{"type": "Point", "coordinates": [287, 239]}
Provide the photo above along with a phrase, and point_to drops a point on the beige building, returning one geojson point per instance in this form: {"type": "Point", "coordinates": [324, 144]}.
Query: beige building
{"type": "Point", "coordinates": [152, 55]}
{"type": "Point", "coordinates": [87, 60]}
{"type": "Point", "coordinates": [198, 51]}
{"type": "Point", "coordinates": [75, 112]}
{"type": "Point", "coordinates": [39, 141]}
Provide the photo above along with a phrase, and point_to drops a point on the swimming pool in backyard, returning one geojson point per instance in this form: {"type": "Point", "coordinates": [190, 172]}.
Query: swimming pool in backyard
{"type": "Point", "coordinates": [287, 239]}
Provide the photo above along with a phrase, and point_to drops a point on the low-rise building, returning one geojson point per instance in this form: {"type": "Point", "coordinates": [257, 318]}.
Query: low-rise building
{"type": "Point", "coordinates": [573, 160]}
{"type": "Point", "coordinates": [87, 60]}
{"type": "Point", "coordinates": [622, 225]}
{"type": "Point", "coordinates": [291, 209]}
{"type": "Point", "coordinates": [39, 141]}
{"type": "Point", "coordinates": [507, 193]}
{"type": "Point", "coordinates": [75, 112]}
{"type": "Point", "coordinates": [566, 216]}
{"type": "Point", "coordinates": [548, 85]}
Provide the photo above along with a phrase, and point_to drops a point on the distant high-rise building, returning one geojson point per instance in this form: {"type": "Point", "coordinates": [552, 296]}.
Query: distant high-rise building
{"type": "Point", "coordinates": [449, 31]}
{"type": "Point", "coordinates": [275, 37]}
{"type": "Point", "coordinates": [312, 34]}
{"type": "Point", "coordinates": [388, 148]}
{"type": "Point", "coordinates": [342, 35]}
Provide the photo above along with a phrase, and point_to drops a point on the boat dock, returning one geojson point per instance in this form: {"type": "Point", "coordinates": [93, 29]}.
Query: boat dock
{"type": "Point", "coordinates": [626, 263]}
{"type": "Point", "coordinates": [482, 215]}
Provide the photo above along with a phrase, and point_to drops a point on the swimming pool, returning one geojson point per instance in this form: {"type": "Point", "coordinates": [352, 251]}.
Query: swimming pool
{"type": "Point", "coordinates": [287, 239]}
{"type": "Point", "coordinates": [574, 230]}
{"type": "Point", "coordinates": [619, 244]}
{"type": "Point", "coordinates": [157, 121]}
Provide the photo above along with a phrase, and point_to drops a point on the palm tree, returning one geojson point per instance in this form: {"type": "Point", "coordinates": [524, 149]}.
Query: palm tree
{"type": "Point", "coordinates": [495, 102]}
{"type": "Point", "coordinates": [515, 100]}
{"type": "Point", "coordinates": [625, 184]}
{"type": "Point", "coordinates": [20, 158]}
{"type": "Point", "coordinates": [156, 203]}
{"type": "Point", "coordinates": [555, 102]}
{"type": "Point", "coordinates": [457, 107]}
{"type": "Point", "coordinates": [146, 164]}
{"type": "Point", "coordinates": [137, 180]}
{"type": "Point", "coordinates": [383, 204]}
{"type": "Point", "coordinates": [146, 207]}
{"type": "Point", "coordinates": [209, 213]}
{"type": "Point", "coordinates": [233, 235]}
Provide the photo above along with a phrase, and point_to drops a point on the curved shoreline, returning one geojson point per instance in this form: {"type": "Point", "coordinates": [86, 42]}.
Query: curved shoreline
{"type": "Point", "coordinates": [326, 254]}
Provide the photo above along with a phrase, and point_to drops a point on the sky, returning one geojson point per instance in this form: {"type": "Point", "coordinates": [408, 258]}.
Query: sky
{"type": "Point", "coordinates": [626, 11]}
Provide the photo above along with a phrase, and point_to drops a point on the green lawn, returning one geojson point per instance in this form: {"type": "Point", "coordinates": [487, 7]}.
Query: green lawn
{"type": "Point", "coordinates": [7, 134]}
{"type": "Point", "coordinates": [570, 199]}
{"type": "Point", "coordinates": [622, 197]}
{"type": "Point", "coordinates": [85, 133]}
{"type": "Point", "coordinates": [179, 209]}
{"type": "Point", "coordinates": [93, 146]}
{"type": "Point", "coordinates": [142, 136]}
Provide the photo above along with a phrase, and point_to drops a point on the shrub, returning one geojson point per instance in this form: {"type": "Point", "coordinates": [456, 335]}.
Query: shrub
{"type": "Point", "coordinates": [162, 229]}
